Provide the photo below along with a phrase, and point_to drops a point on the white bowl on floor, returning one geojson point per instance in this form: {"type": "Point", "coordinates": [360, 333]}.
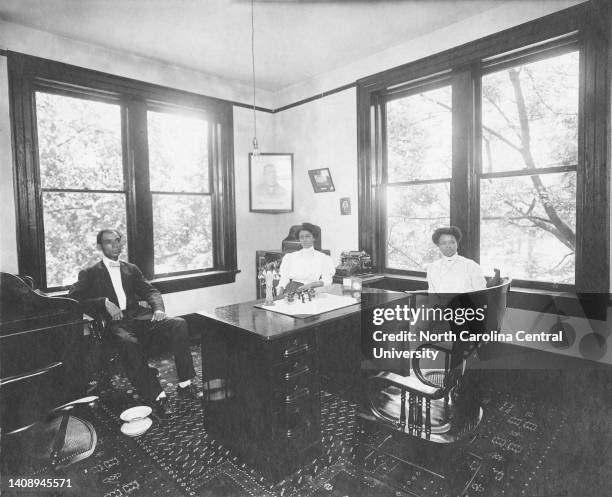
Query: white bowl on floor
{"type": "Point", "coordinates": [137, 427]}
{"type": "Point", "coordinates": [134, 413]}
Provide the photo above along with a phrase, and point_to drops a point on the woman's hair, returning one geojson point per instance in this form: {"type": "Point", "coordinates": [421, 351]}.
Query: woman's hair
{"type": "Point", "coordinates": [308, 227]}
{"type": "Point", "coordinates": [447, 230]}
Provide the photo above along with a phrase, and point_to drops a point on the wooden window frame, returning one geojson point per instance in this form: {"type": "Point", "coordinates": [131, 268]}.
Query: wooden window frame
{"type": "Point", "coordinates": [28, 75]}
{"type": "Point", "coordinates": [587, 26]}
{"type": "Point", "coordinates": [436, 82]}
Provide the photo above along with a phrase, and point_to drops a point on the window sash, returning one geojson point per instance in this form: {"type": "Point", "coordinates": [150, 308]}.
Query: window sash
{"type": "Point", "coordinates": [190, 113]}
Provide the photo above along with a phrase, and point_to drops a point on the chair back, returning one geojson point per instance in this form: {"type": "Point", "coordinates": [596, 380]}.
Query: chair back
{"type": "Point", "coordinates": [492, 302]}
{"type": "Point", "coordinates": [497, 300]}
{"type": "Point", "coordinates": [292, 241]}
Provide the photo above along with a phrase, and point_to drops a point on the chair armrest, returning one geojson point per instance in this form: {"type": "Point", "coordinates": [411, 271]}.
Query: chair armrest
{"type": "Point", "coordinates": [84, 400]}
{"type": "Point", "coordinates": [29, 374]}
{"type": "Point", "coordinates": [96, 325]}
{"type": "Point", "coordinates": [416, 361]}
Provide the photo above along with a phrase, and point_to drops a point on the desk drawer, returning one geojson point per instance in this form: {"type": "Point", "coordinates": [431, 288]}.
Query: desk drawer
{"type": "Point", "coordinates": [283, 390]}
{"type": "Point", "coordinates": [293, 371]}
{"type": "Point", "coordinates": [294, 396]}
{"type": "Point", "coordinates": [291, 416]}
{"type": "Point", "coordinates": [293, 347]}
{"type": "Point", "coordinates": [295, 439]}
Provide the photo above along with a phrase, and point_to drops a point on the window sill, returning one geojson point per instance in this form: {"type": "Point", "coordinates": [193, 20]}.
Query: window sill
{"type": "Point", "coordinates": [585, 305]}
{"type": "Point", "coordinates": [181, 283]}
{"type": "Point", "coordinates": [171, 284]}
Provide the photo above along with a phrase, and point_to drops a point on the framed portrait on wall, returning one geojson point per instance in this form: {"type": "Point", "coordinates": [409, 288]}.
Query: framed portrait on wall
{"type": "Point", "coordinates": [321, 180]}
{"type": "Point", "coordinates": [271, 183]}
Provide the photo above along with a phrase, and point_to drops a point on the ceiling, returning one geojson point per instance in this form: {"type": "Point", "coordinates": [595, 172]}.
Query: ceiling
{"type": "Point", "coordinates": [295, 40]}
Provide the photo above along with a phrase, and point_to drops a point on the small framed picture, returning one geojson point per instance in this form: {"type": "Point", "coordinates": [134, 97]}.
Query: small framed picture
{"type": "Point", "coordinates": [321, 180]}
{"type": "Point", "coordinates": [271, 183]}
{"type": "Point", "coordinates": [345, 206]}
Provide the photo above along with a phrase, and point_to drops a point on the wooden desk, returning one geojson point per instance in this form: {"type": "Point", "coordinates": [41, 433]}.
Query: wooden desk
{"type": "Point", "coordinates": [273, 368]}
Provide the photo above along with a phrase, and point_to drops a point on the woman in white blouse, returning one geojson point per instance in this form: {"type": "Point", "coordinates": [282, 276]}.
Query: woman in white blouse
{"type": "Point", "coordinates": [453, 273]}
{"type": "Point", "coordinates": [306, 268]}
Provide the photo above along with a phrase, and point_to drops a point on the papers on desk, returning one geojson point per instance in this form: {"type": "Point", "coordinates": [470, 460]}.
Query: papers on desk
{"type": "Point", "coordinates": [323, 302]}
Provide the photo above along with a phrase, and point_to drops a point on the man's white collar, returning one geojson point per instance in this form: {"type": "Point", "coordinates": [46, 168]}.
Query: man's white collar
{"type": "Point", "coordinates": [109, 262]}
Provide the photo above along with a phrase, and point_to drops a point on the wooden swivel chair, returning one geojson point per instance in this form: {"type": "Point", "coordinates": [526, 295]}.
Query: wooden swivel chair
{"type": "Point", "coordinates": [40, 374]}
{"type": "Point", "coordinates": [35, 432]}
{"type": "Point", "coordinates": [432, 405]}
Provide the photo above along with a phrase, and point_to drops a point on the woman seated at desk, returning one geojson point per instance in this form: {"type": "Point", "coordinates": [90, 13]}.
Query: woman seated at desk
{"type": "Point", "coordinates": [453, 273]}
{"type": "Point", "coordinates": [306, 268]}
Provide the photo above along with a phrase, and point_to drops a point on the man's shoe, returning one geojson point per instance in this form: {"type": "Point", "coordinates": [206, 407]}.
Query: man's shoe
{"type": "Point", "coordinates": [161, 409]}
{"type": "Point", "coordinates": [189, 392]}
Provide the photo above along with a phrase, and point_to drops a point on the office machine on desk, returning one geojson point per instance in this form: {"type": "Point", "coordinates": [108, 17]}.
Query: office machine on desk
{"type": "Point", "coordinates": [291, 243]}
{"type": "Point", "coordinates": [354, 263]}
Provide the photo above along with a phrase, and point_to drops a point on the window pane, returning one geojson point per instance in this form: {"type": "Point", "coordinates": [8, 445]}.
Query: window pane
{"type": "Point", "coordinates": [182, 230]}
{"type": "Point", "coordinates": [178, 152]}
{"type": "Point", "coordinates": [72, 221]}
{"type": "Point", "coordinates": [413, 213]}
{"type": "Point", "coordinates": [419, 136]}
{"type": "Point", "coordinates": [79, 143]}
{"type": "Point", "coordinates": [530, 115]}
{"type": "Point", "coordinates": [523, 238]}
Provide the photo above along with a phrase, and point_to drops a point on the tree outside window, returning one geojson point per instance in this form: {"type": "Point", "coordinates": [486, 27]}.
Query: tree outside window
{"type": "Point", "coordinates": [528, 179]}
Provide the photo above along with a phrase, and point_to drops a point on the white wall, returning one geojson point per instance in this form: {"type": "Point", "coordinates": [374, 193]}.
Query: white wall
{"type": "Point", "coordinates": [507, 15]}
{"type": "Point", "coordinates": [8, 233]}
{"type": "Point", "coordinates": [323, 133]}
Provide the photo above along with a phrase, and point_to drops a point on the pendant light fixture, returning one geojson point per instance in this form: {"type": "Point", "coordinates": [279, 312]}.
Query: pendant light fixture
{"type": "Point", "coordinates": [255, 144]}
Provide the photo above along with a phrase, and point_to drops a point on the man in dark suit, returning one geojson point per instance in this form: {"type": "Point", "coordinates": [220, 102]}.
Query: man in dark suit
{"type": "Point", "coordinates": [111, 289]}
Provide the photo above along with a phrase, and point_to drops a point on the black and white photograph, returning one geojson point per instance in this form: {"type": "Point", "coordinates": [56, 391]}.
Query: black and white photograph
{"type": "Point", "coordinates": [321, 180]}
{"type": "Point", "coordinates": [257, 248]}
{"type": "Point", "coordinates": [271, 182]}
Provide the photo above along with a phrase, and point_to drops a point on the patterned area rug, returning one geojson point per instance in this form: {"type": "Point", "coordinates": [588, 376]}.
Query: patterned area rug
{"type": "Point", "coordinates": [176, 457]}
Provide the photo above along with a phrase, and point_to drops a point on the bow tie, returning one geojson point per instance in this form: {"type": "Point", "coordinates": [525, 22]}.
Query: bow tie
{"type": "Point", "coordinates": [114, 264]}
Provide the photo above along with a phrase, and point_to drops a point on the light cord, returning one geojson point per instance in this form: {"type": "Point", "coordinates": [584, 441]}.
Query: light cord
{"type": "Point", "coordinates": [255, 145]}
